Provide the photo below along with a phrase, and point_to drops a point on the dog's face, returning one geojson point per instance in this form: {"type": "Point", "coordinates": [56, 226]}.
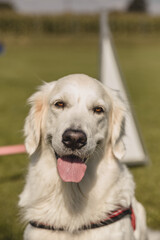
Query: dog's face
{"type": "Point", "coordinates": [75, 117]}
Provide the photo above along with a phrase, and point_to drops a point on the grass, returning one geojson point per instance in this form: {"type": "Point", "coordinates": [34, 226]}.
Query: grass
{"type": "Point", "coordinates": [30, 60]}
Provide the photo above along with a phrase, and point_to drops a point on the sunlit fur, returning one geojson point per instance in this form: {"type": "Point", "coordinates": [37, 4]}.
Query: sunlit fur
{"type": "Point", "coordinates": [107, 184]}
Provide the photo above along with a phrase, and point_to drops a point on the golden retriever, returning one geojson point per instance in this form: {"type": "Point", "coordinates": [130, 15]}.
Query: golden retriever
{"type": "Point", "coordinates": [76, 187]}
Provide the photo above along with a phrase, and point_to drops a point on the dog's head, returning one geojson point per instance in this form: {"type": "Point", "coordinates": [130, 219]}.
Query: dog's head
{"type": "Point", "coordinates": [76, 117]}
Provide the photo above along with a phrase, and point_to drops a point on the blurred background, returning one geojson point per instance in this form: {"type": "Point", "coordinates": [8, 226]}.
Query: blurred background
{"type": "Point", "coordinates": [45, 40]}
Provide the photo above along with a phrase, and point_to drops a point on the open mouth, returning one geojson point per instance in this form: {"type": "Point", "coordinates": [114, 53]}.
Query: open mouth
{"type": "Point", "coordinates": [71, 168]}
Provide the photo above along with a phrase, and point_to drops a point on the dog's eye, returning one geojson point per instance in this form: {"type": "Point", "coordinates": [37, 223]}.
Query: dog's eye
{"type": "Point", "coordinates": [98, 110]}
{"type": "Point", "coordinates": [59, 104]}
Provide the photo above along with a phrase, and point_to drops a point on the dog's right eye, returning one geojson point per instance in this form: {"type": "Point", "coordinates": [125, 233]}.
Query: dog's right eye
{"type": "Point", "coordinates": [59, 104]}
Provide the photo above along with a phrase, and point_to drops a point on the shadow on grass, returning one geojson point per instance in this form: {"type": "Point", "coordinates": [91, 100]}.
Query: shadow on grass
{"type": "Point", "coordinates": [5, 233]}
{"type": "Point", "coordinates": [9, 233]}
{"type": "Point", "coordinates": [13, 178]}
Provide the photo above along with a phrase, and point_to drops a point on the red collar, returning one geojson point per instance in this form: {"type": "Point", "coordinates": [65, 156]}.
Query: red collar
{"type": "Point", "coordinates": [113, 217]}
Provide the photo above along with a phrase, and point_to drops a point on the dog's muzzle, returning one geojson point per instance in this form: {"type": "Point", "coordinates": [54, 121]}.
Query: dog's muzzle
{"type": "Point", "coordinates": [71, 165]}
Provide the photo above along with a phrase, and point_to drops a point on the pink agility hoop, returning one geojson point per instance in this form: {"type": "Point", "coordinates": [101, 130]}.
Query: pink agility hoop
{"type": "Point", "coordinates": [13, 149]}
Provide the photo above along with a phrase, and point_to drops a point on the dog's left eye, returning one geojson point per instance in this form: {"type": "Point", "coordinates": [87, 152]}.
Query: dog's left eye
{"type": "Point", "coordinates": [98, 110]}
{"type": "Point", "coordinates": [59, 104]}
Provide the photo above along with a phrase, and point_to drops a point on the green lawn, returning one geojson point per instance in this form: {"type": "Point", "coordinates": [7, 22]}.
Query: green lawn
{"type": "Point", "coordinates": [30, 60]}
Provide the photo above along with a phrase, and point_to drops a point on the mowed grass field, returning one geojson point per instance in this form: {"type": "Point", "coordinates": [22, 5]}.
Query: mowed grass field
{"type": "Point", "coordinates": [29, 60]}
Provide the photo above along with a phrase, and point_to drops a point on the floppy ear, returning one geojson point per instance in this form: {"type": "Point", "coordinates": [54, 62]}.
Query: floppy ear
{"type": "Point", "coordinates": [118, 128]}
{"type": "Point", "coordinates": [33, 122]}
{"type": "Point", "coordinates": [32, 127]}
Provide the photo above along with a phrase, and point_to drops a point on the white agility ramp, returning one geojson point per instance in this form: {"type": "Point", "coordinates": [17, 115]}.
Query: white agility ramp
{"type": "Point", "coordinates": [110, 75]}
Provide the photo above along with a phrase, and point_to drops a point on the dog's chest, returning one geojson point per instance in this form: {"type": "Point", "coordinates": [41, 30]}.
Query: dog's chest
{"type": "Point", "coordinates": [113, 232]}
{"type": "Point", "coordinates": [71, 209]}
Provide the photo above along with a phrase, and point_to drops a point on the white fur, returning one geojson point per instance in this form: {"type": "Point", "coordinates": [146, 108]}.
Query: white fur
{"type": "Point", "coordinates": [107, 183]}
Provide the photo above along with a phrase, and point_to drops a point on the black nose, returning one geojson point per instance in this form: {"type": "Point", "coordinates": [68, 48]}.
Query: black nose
{"type": "Point", "coordinates": [74, 139]}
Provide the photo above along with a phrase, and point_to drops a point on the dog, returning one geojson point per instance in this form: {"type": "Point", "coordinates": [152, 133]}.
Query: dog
{"type": "Point", "coordinates": [76, 187]}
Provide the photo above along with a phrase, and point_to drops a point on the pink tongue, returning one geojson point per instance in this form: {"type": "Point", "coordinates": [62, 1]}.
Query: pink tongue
{"type": "Point", "coordinates": [71, 169]}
